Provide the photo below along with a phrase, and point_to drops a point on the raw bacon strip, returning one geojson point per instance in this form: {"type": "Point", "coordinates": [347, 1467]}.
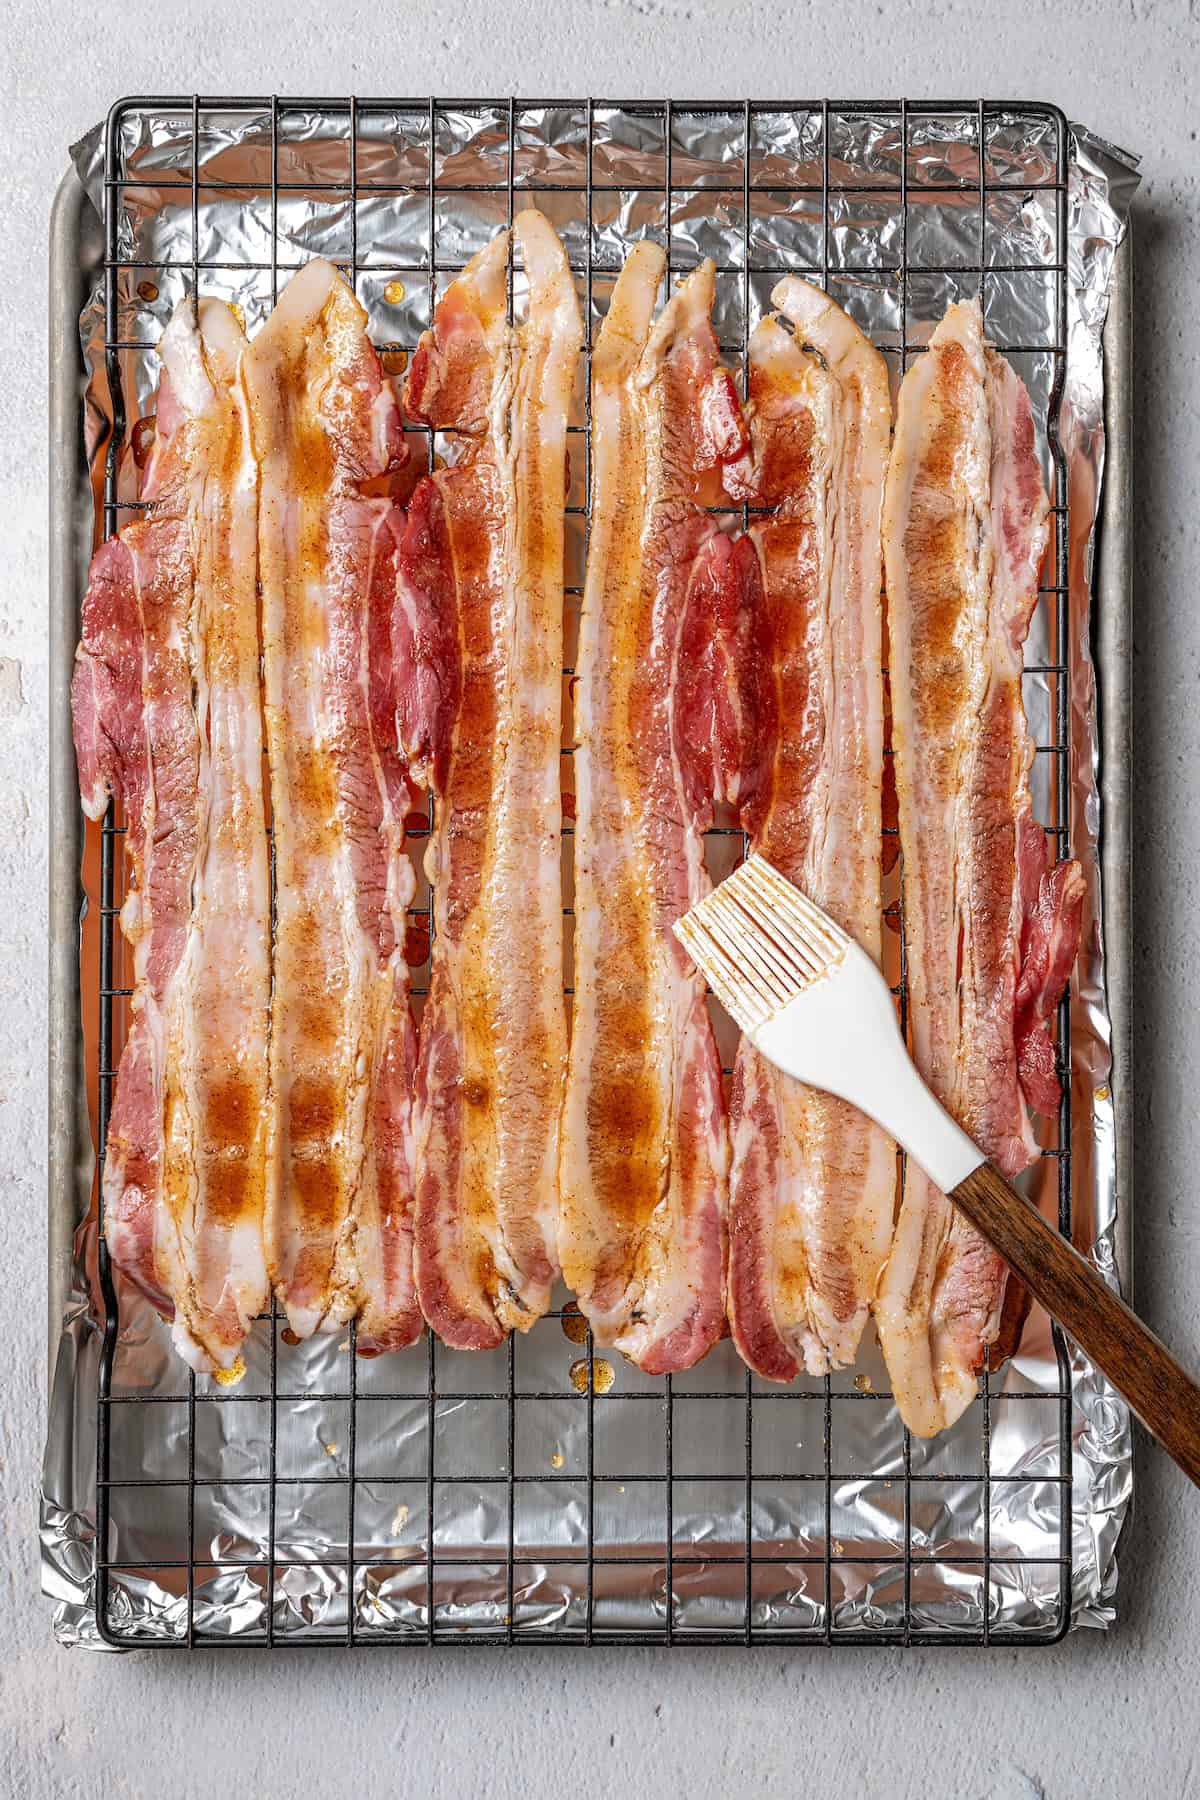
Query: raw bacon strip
{"type": "Point", "coordinates": [1049, 942]}
{"type": "Point", "coordinates": [813, 1183]}
{"type": "Point", "coordinates": [166, 711]}
{"type": "Point", "coordinates": [339, 1203]}
{"type": "Point", "coordinates": [478, 635]}
{"type": "Point", "coordinates": [991, 931]}
{"type": "Point", "coordinates": [645, 1152]}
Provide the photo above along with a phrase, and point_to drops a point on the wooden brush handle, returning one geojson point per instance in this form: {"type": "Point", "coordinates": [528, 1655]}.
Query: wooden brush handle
{"type": "Point", "coordinates": [1161, 1393]}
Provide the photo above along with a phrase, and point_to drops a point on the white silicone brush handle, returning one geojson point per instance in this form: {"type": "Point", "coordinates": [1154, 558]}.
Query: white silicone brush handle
{"type": "Point", "coordinates": [842, 1034]}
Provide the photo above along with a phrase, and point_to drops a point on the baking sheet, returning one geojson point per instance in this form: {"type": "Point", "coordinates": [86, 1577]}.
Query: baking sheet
{"type": "Point", "coordinates": [893, 1538]}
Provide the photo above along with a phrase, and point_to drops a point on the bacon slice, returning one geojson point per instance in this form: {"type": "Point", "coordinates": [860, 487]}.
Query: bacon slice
{"type": "Point", "coordinates": [645, 1153]}
{"type": "Point", "coordinates": [166, 712]}
{"type": "Point", "coordinates": [478, 634]}
{"type": "Point", "coordinates": [339, 1202]}
{"type": "Point", "coordinates": [813, 1183]}
{"type": "Point", "coordinates": [991, 930]}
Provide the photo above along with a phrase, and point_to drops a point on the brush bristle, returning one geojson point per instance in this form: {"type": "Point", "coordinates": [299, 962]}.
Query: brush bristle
{"type": "Point", "coordinates": [759, 942]}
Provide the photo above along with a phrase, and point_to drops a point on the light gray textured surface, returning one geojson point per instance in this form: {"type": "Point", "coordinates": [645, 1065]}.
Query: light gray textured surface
{"type": "Point", "coordinates": [1093, 1718]}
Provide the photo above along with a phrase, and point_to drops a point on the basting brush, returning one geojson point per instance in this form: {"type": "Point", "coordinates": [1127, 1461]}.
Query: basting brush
{"type": "Point", "coordinates": [814, 1004]}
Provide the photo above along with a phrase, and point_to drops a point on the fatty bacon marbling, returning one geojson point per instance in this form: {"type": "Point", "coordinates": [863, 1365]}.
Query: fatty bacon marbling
{"type": "Point", "coordinates": [478, 635]}
{"type": "Point", "coordinates": [167, 720]}
{"type": "Point", "coordinates": [339, 1215]}
{"type": "Point", "coordinates": [992, 928]}
{"type": "Point", "coordinates": [813, 1182]}
{"type": "Point", "coordinates": [659, 721]}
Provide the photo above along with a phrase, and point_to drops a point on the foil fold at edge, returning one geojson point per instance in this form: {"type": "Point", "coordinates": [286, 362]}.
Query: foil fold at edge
{"type": "Point", "coordinates": [1103, 180]}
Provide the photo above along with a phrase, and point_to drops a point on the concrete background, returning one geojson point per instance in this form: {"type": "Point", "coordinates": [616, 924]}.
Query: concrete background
{"type": "Point", "coordinates": [1096, 1717]}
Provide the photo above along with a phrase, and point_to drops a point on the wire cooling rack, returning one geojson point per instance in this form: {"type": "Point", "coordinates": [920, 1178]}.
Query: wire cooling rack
{"type": "Point", "coordinates": [541, 1494]}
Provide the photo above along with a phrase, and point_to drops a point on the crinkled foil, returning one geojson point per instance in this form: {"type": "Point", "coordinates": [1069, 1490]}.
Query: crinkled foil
{"type": "Point", "coordinates": [990, 1483]}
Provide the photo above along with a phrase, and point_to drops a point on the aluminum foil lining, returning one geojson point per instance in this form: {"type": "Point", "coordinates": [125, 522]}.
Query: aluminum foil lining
{"type": "Point", "coordinates": [992, 1482]}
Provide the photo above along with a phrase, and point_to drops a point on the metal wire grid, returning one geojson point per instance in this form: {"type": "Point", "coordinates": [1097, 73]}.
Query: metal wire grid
{"type": "Point", "coordinates": [662, 1566]}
